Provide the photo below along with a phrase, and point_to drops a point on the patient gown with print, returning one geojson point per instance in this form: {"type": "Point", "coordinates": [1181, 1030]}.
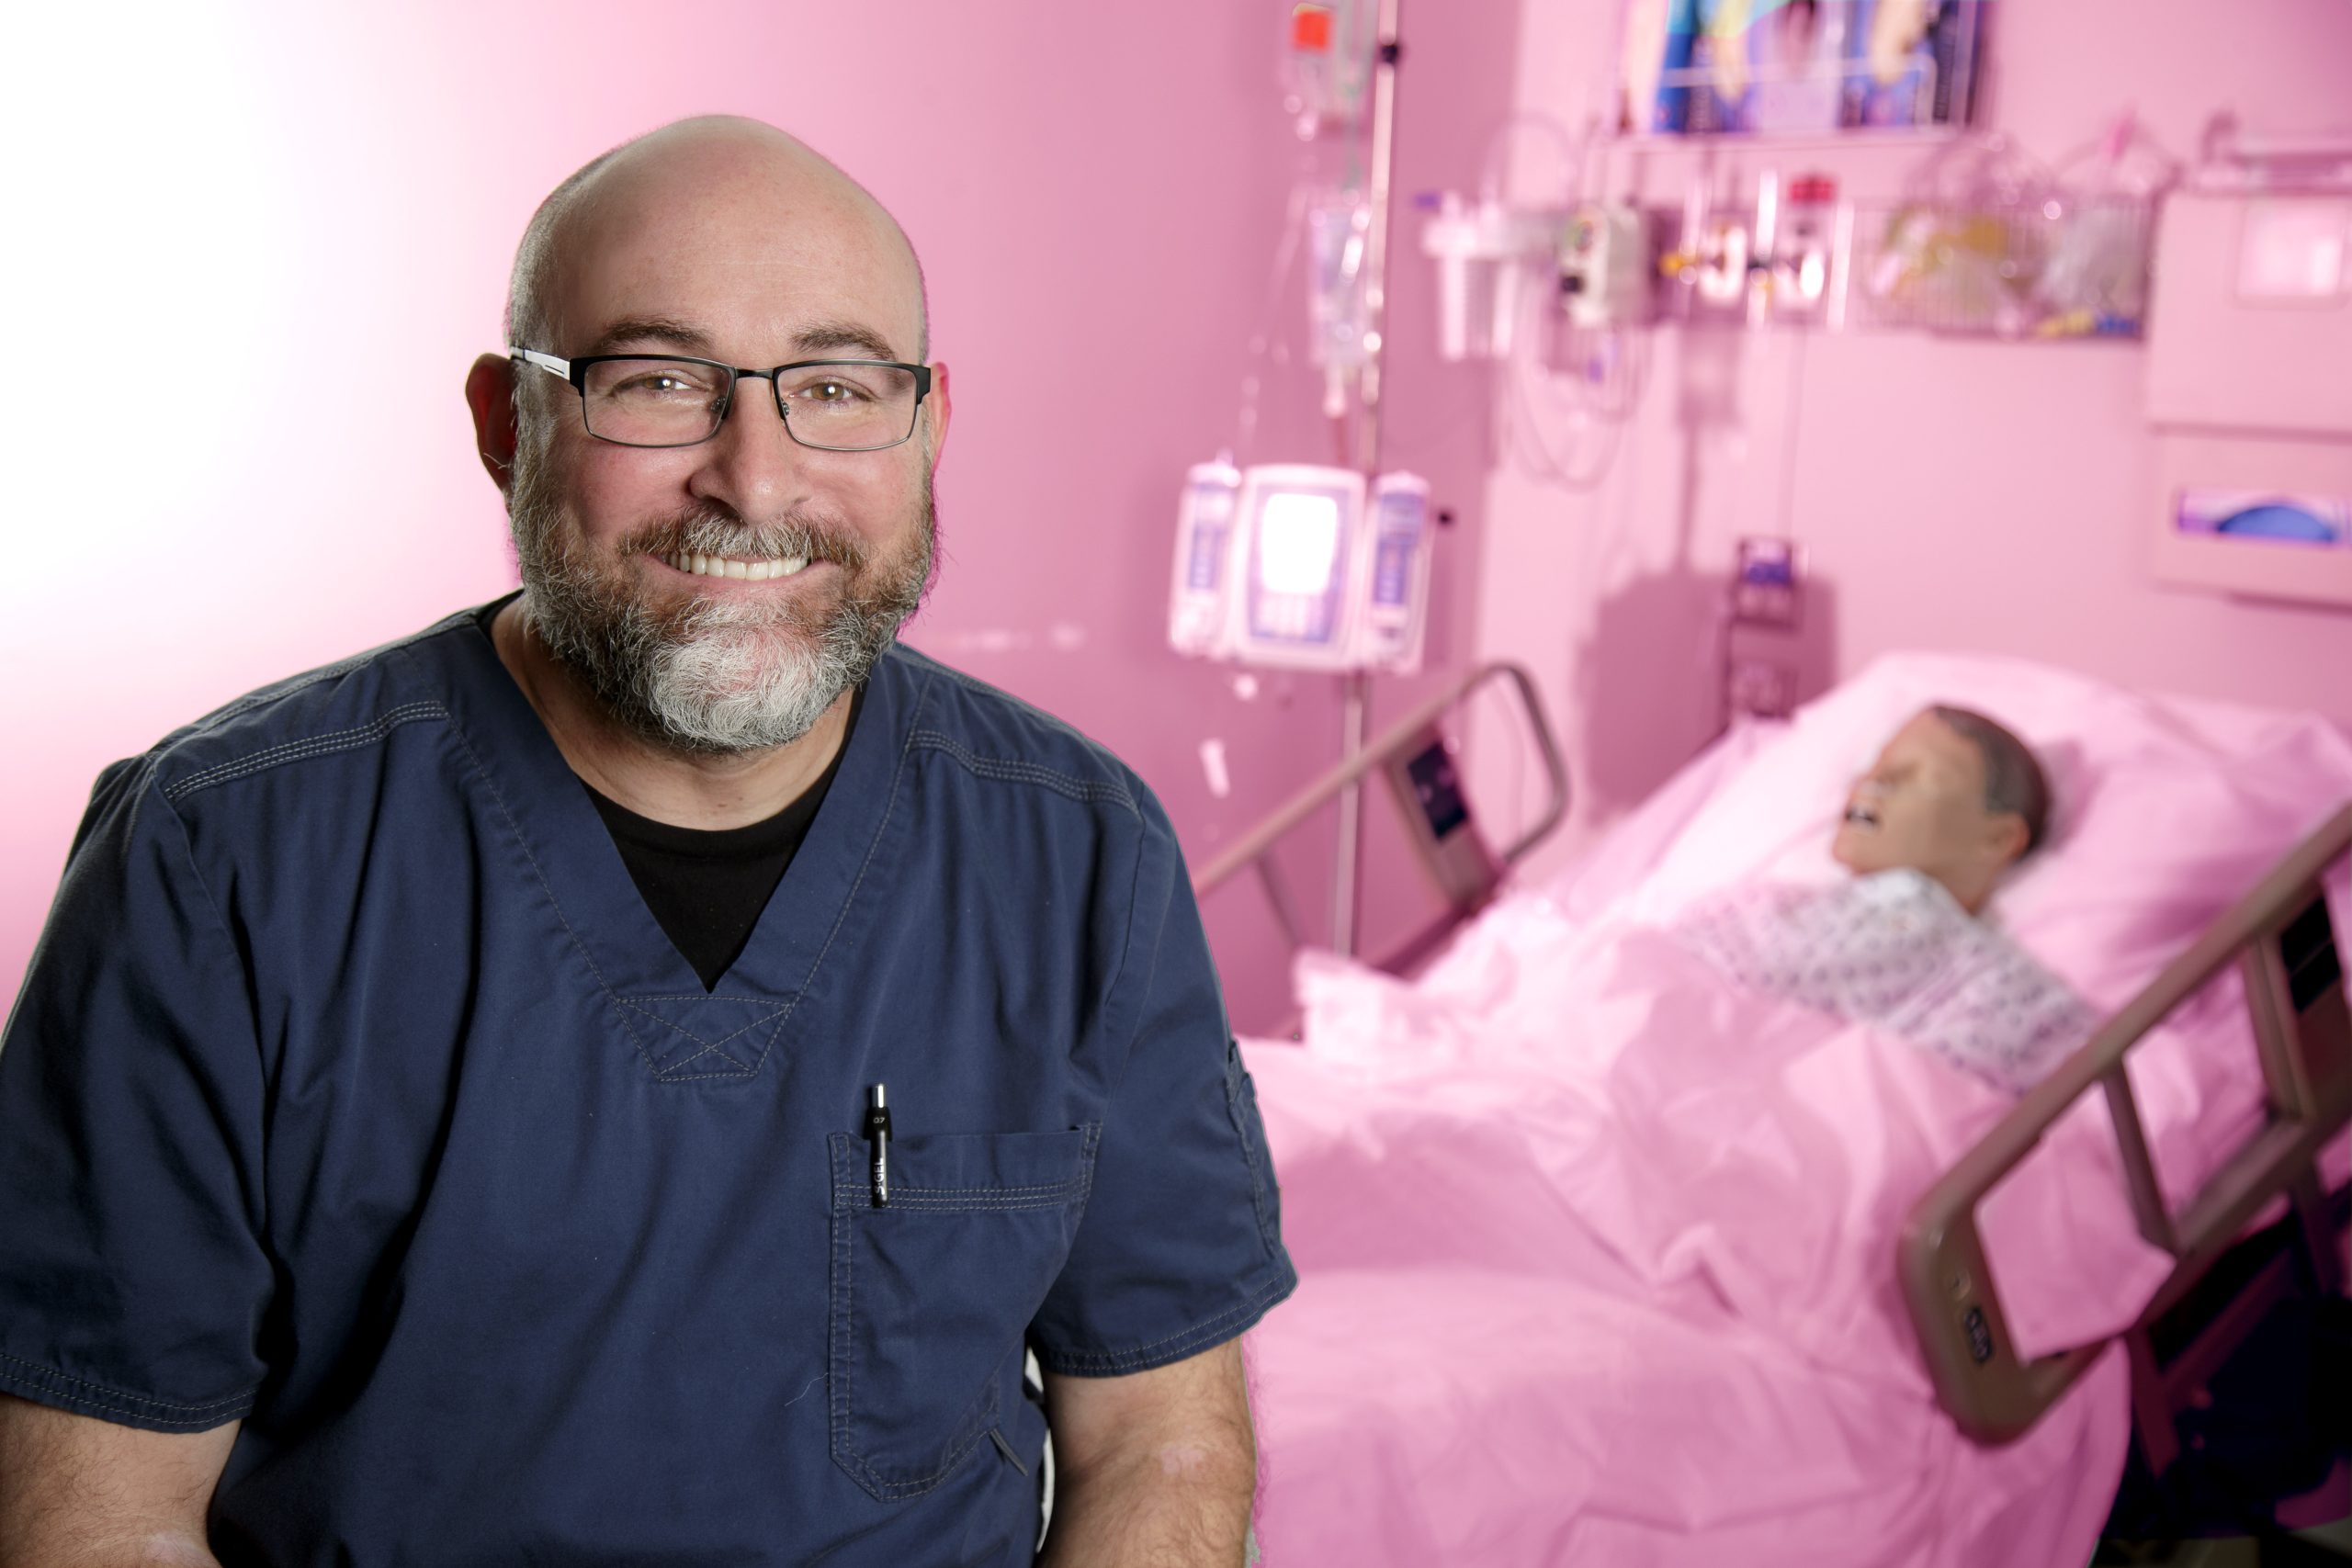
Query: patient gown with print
{"type": "Point", "coordinates": [1895, 950]}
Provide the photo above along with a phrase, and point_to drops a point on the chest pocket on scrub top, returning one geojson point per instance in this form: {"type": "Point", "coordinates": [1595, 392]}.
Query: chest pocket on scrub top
{"type": "Point", "coordinates": [932, 1293]}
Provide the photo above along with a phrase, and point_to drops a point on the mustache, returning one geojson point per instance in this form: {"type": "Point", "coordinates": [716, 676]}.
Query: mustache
{"type": "Point", "coordinates": [717, 531]}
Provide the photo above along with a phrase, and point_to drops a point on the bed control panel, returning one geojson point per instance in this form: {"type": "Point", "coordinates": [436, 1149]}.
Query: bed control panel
{"type": "Point", "coordinates": [2307, 951]}
{"type": "Point", "coordinates": [1428, 789]}
{"type": "Point", "coordinates": [2302, 1020]}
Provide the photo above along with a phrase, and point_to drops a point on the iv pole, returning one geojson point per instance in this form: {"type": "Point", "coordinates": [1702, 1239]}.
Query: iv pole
{"type": "Point", "coordinates": [1355, 686]}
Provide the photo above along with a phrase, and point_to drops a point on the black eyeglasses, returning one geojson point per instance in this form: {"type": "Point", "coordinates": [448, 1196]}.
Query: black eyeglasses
{"type": "Point", "coordinates": [667, 400]}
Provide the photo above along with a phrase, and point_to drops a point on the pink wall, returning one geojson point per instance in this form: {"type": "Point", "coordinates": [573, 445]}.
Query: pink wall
{"type": "Point", "coordinates": [301, 216]}
{"type": "Point", "coordinates": [1948, 494]}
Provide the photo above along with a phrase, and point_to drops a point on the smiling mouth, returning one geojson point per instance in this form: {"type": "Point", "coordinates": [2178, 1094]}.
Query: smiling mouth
{"type": "Point", "coordinates": [1861, 816]}
{"type": "Point", "coordinates": [759, 571]}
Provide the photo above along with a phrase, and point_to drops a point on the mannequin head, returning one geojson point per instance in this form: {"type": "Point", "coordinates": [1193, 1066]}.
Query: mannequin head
{"type": "Point", "coordinates": [1953, 795]}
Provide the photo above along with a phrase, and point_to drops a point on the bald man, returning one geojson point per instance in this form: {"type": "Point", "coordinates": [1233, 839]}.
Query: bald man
{"type": "Point", "coordinates": [631, 1073]}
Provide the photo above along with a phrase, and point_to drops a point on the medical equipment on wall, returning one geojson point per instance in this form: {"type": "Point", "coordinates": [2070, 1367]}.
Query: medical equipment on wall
{"type": "Point", "coordinates": [1302, 567]}
{"type": "Point", "coordinates": [1490, 258]}
{"type": "Point", "coordinates": [1789, 279]}
{"type": "Point", "coordinates": [2251, 332]}
{"type": "Point", "coordinates": [1549, 291]}
{"type": "Point", "coordinates": [1988, 240]}
{"type": "Point", "coordinates": [1606, 265]}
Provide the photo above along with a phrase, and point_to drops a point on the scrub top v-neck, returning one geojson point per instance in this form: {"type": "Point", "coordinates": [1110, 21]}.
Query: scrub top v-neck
{"type": "Point", "coordinates": [356, 1094]}
{"type": "Point", "coordinates": [706, 888]}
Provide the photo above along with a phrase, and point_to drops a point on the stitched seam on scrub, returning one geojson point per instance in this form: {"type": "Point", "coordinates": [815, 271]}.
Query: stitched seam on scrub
{"type": "Point", "coordinates": [1024, 773]}
{"type": "Point", "coordinates": [671, 1074]}
{"type": "Point", "coordinates": [1098, 1360]}
{"type": "Point", "coordinates": [730, 1034]}
{"type": "Point", "coordinates": [844, 1448]}
{"type": "Point", "coordinates": [553, 902]}
{"type": "Point", "coordinates": [621, 1007]}
{"type": "Point", "coordinates": [327, 672]}
{"type": "Point", "coordinates": [846, 1309]}
{"type": "Point", "coordinates": [997, 693]}
{"type": "Point", "coordinates": [977, 1206]}
{"type": "Point", "coordinates": [229, 945]}
{"type": "Point", "coordinates": [211, 1410]}
{"type": "Point", "coordinates": [850, 1190]}
{"type": "Point", "coordinates": [299, 750]}
{"type": "Point", "coordinates": [774, 1018]}
{"type": "Point", "coordinates": [1238, 1087]}
{"type": "Point", "coordinates": [844, 1331]}
{"type": "Point", "coordinates": [890, 805]}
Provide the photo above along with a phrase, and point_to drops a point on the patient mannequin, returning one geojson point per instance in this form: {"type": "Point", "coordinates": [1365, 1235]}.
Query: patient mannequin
{"type": "Point", "coordinates": [1952, 804]}
{"type": "Point", "coordinates": [1953, 795]}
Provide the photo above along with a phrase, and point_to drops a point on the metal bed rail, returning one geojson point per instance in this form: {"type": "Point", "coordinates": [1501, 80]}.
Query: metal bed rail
{"type": "Point", "coordinates": [2283, 942]}
{"type": "Point", "coordinates": [1456, 857]}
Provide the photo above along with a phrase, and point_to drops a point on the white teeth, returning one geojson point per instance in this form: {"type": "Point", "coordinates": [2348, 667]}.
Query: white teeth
{"type": "Point", "coordinates": [760, 571]}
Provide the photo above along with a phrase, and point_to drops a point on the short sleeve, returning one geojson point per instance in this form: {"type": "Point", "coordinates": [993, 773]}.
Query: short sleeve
{"type": "Point", "coordinates": [1180, 1247]}
{"type": "Point", "coordinates": [132, 1279]}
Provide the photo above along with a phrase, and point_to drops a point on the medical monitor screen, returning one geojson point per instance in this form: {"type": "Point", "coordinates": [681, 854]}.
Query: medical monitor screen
{"type": "Point", "coordinates": [2311, 521]}
{"type": "Point", "coordinates": [1299, 543]}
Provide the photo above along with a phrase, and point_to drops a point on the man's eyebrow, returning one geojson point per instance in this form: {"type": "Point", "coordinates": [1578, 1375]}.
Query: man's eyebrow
{"type": "Point", "coordinates": [666, 331]}
{"type": "Point", "coordinates": [835, 337]}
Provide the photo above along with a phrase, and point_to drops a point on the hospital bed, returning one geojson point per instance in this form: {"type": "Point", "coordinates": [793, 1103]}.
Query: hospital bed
{"type": "Point", "coordinates": [1480, 1312]}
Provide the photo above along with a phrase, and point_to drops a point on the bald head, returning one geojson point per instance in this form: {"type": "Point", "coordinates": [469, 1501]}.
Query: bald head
{"type": "Point", "coordinates": [695, 182]}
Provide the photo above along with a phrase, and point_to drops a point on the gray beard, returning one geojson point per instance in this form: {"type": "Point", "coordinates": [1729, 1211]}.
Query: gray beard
{"type": "Point", "coordinates": [708, 678]}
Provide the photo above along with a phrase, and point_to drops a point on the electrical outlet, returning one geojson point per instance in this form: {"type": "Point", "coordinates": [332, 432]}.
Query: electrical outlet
{"type": "Point", "coordinates": [1760, 688]}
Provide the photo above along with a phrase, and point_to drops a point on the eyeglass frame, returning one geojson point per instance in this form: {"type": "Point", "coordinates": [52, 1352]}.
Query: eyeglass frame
{"type": "Point", "coordinates": [574, 372]}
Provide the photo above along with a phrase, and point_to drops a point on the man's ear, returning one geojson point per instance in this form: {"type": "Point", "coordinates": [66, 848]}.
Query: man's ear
{"type": "Point", "coordinates": [938, 408]}
{"type": "Point", "coordinates": [489, 393]}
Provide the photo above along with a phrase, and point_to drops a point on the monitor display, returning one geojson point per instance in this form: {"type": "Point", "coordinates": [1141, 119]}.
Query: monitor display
{"type": "Point", "coordinates": [1298, 541]}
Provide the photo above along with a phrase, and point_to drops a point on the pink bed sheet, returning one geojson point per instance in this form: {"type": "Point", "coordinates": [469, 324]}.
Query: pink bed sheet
{"type": "Point", "coordinates": [1597, 1250]}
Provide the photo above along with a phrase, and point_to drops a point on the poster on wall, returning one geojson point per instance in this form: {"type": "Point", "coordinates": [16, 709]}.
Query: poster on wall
{"type": "Point", "coordinates": [1797, 67]}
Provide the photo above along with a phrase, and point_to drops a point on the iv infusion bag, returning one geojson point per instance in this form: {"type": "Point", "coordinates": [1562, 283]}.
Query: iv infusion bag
{"type": "Point", "coordinates": [1295, 565]}
{"type": "Point", "coordinates": [1327, 63]}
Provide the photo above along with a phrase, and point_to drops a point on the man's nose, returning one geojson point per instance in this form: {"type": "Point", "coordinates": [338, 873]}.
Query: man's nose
{"type": "Point", "coordinates": [753, 464]}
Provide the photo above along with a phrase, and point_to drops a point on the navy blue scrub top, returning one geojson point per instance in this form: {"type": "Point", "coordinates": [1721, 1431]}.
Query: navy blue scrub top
{"type": "Point", "coordinates": [355, 1094]}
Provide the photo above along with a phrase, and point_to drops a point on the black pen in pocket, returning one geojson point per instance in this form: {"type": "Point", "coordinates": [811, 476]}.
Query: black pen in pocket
{"type": "Point", "coordinates": [877, 1142]}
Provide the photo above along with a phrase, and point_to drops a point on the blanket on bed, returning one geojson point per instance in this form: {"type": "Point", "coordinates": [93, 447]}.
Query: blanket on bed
{"type": "Point", "coordinates": [1619, 1210]}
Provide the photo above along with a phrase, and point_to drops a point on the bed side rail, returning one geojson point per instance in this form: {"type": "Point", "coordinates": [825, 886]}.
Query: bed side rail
{"type": "Point", "coordinates": [1413, 756]}
{"type": "Point", "coordinates": [2282, 938]}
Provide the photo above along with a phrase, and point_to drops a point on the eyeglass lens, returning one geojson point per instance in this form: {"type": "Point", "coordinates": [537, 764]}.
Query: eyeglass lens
{"type": "Point", "coordinates": [844, 406]}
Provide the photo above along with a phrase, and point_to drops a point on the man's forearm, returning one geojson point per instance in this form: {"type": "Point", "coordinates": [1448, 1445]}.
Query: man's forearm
{"type": "Point", "coordinates": [1168, 1504]}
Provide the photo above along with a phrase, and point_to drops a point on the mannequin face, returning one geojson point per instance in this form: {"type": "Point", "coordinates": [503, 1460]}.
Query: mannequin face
{"type": "Point", "coordinates": [1921, 806]}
